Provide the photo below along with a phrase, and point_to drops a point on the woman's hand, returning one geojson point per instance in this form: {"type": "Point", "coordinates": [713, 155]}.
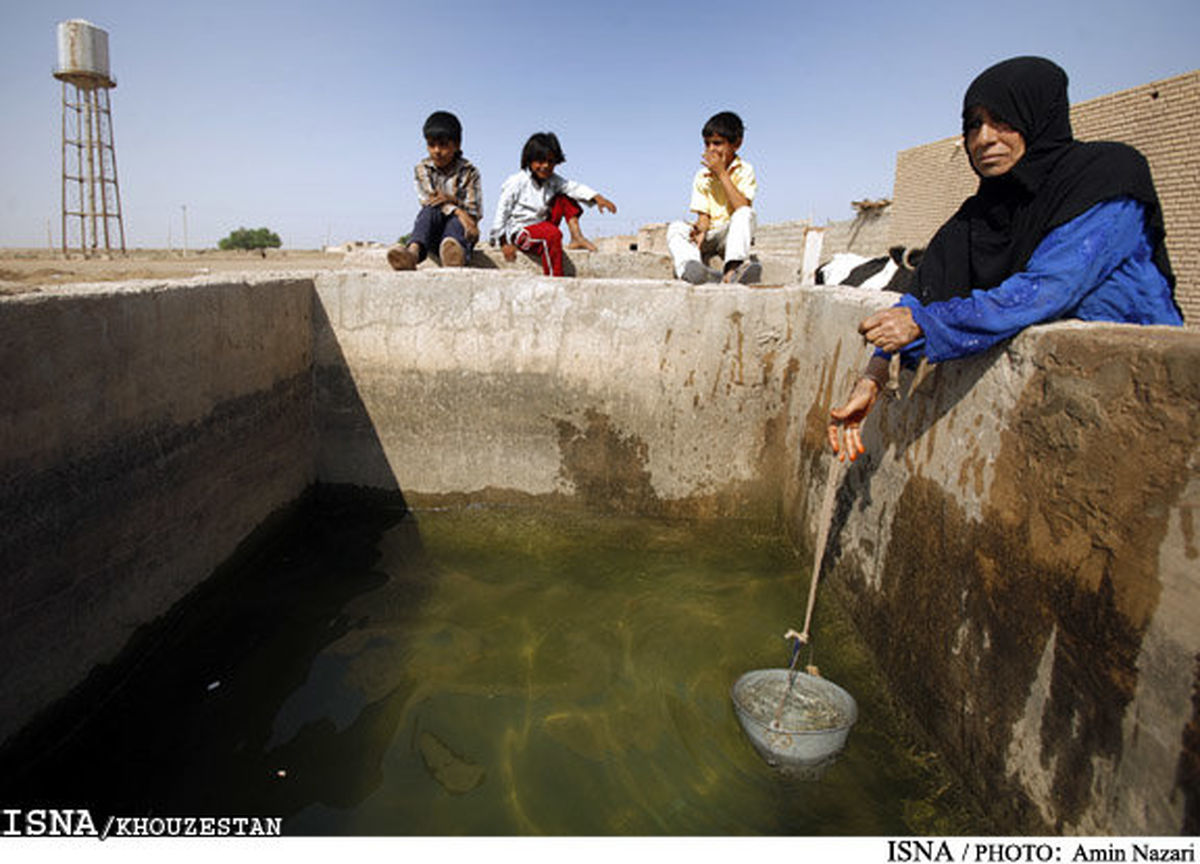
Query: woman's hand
{"type": "Point", "coordinates": [510, 251]}
{"type": "Point", "coordinates": [890, 329]}
{"type": "Point", "coordinates": [851, 416]}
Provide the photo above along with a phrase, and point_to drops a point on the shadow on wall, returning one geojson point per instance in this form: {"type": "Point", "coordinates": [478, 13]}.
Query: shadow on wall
{"type": "Point", "coordinates": [130, 418]}
{"type": "Point", "coordinates": [182, 722]}
{"type": "Point", "coordinates": [491, 258]}
{"type": "Point", "coordinates": [480, 261]}
{"type": "Point", "coordinates": [214, 695]}
{"type": "Point", "coordinates": [349, 451]}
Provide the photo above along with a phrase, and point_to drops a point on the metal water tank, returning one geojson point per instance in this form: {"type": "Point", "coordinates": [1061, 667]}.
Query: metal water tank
{"type": "Point", "coordinates": [83, 54]}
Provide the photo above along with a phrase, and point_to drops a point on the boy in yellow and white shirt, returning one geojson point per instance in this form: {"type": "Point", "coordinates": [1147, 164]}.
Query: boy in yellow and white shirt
{"type": "Point", "coordinates": [722, 197]}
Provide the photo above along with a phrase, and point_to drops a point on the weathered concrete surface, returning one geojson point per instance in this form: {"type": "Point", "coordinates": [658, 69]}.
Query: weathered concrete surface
{"type": "Point", "coordinates": [778, 268]}
{"type": "Point", "coordinates": [1018, 547]}
{"type": "Point", "coordinates": [576, 262]}
{"type": "Point", "coordinates": [146, 430]}
{"type": "Point", "coordinates": [635, 395]}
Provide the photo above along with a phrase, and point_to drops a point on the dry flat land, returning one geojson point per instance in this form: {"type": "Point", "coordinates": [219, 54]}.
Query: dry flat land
{"type": "Point", "coordinates": [24, 270]}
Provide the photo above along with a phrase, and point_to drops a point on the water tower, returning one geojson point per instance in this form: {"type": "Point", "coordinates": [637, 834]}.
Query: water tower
{"type": "Point", "coordinates": [91, 199]}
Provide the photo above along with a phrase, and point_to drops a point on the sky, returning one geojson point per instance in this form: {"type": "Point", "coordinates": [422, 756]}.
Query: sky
{"type": "Point", "coordinates": [305, 117]}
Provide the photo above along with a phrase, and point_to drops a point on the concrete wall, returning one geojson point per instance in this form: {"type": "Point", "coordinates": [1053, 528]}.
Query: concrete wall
{"type": "Point", "coordinates": [146, 431]}
{"type": "Point", "coordinates": [1018, 544]}
{"type": "Point", "coordinates": [641, 395]}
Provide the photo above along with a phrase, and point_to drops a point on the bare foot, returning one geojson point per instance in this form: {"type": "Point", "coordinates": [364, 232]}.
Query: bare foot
{"type": "Point", "coordinates": [582, 243]}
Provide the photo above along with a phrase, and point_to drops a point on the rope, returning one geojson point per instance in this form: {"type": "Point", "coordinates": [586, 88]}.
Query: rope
{"type": "Point", "coordinates": [824, 524]}
{"type": "Point", "coordinates": [776, 722]}
{"type": "Point", "coordinates": [826, 518]}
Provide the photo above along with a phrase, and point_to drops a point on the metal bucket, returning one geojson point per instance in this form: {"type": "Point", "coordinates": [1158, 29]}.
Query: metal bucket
{"type": "Point", "coordinates": [813, 724]}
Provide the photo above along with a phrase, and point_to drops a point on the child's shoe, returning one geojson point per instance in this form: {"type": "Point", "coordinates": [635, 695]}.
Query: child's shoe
{"type": "Point", "coordinates": [747, 273]}
{"type": "Point", "coordinates": [451, 253]}
{"type": "Point", "coordinates": [698, 274]}
{"type": "Point", "coordinates": [401, 258]}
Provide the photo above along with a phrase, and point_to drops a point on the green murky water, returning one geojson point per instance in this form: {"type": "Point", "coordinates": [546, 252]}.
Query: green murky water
{"type": "Point", "coordinates": [483, 671]}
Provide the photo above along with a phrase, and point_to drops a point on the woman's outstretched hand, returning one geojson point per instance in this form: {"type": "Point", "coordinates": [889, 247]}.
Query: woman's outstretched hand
{"type": "Point", "coordinates": [890, 329]}
{"type": "Point", "coordinates": [850, 417]}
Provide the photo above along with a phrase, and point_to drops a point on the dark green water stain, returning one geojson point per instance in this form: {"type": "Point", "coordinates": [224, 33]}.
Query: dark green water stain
{"type": "Point", "coordinates": [482, 671]}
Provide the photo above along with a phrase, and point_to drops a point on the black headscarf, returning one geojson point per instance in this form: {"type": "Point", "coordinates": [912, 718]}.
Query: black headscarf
{"type": "Point", "coordinates": [997, 229]}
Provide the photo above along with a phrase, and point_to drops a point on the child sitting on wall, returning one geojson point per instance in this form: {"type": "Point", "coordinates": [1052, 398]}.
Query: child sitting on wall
{"type": "Point", "coordinates": [722, 196]}
{"type": "Point", "coordinates": [448, 189]}
{"type": "Point", "coordinates": [535, 199]}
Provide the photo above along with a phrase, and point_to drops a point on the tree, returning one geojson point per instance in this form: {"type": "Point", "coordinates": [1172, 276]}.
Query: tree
{"type": "Point", "coordinates": [247, 238]}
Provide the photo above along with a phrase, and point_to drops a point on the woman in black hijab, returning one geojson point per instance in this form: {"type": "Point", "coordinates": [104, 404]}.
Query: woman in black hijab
{"type": "Point", "coordinates": [1058, 228]}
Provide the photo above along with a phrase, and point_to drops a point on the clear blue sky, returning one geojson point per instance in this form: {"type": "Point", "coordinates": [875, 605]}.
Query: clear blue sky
{"type": "Point", "coordinates": [305, 116]}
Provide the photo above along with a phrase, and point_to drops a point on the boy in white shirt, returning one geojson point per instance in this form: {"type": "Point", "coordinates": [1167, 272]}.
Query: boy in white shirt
{"type": "Point", "coordinates": [722, 197]}
{"type": "Point", "coordinates": [535, 199]}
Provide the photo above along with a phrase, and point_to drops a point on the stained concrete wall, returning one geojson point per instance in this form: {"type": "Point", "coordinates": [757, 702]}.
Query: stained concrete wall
{"type": "Point", "coordinates": [146, 430]}
{"type": "Point", "coordinates": [641, 395]}
{"type": "Point", "coordinates": [1018, 543]}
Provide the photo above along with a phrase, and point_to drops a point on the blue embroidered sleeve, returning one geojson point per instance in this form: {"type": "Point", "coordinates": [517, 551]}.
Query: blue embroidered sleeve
{"type": "Point", "coordinates": [1071, 261]}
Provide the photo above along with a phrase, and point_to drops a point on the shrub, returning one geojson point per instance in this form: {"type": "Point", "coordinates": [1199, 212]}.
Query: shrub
{"type": "Point", "coordinates": [247, 238]}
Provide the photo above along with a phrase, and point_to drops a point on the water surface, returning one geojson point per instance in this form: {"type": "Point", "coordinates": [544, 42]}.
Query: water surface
{"type": "Point", "coordinates": [485, 671]}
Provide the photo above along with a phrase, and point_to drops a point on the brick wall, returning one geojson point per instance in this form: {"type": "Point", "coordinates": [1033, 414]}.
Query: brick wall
{"type": "Point", "coordinates": [1161, 119]}
{"type": "Point", "coordinates": [866, 234]}
{"type": "Point", "coordinates": [780, 238]}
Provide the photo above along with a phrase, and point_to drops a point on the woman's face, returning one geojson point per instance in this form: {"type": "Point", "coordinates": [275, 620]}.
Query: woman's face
{"type": "Point", "coordinates": [994, 146]}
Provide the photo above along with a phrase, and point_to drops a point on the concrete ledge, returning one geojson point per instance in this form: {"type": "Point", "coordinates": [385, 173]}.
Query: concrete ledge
{"type": "Point", "coordinates": [576, 262]}
{"type": "Point", "coordinates": [778, 269]}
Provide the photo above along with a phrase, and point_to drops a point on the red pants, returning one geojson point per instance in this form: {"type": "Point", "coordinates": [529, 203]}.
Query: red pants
{"type": "Point", "coordinates": [544, 239]}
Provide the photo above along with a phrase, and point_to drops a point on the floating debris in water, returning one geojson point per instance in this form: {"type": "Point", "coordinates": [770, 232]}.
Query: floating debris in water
{"type": "Point", "coordinates": [455, 773]}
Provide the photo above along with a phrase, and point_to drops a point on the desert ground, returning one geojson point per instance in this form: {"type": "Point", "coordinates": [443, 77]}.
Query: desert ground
{"type": "Point", "coordinates": [27, 270]}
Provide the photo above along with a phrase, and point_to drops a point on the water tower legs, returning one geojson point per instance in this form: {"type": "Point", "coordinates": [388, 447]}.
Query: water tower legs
{"type": "Point", "coordinates": [91, 197]}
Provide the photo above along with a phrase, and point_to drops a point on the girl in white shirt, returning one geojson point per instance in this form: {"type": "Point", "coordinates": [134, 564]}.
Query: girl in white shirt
{"type": "Point", "coordinates": [535, 199]}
